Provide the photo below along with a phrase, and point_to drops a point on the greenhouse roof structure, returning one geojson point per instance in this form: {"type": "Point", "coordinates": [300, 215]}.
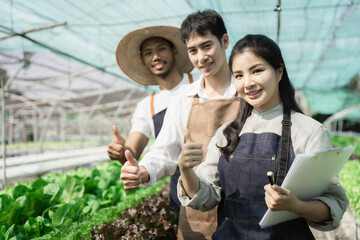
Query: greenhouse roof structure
{"type": "Point", "coordinates": [62, 53]}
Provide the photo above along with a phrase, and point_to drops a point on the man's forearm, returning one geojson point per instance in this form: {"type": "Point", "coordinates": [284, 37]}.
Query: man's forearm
{"type": "Point", "coordinates": [123, 158]}
{"type": "Point", "coordinates": [144, 175]}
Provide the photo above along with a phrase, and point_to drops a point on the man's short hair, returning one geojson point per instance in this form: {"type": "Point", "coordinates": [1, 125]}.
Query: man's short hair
{"type": "Point", "coordinates": [201, 22]}
{"type": "Point", "coordinates": [171, 45]}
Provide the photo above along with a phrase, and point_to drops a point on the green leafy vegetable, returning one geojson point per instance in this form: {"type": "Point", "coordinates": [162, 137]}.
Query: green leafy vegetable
{"type": "Point", "coordinates": [350, 180]}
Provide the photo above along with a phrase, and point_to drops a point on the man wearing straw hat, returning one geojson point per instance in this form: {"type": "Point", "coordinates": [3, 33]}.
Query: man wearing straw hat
{"type": "Point", "coordinates": [151, 56]}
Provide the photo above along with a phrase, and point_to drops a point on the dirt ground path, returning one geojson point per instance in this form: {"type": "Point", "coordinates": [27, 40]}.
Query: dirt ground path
{"type": "Point", "coordinates": [346, 231]}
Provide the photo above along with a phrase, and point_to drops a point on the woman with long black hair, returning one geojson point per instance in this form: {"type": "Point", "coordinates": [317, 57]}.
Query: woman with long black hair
{"type": "Point", "coordinates": [267, 135]}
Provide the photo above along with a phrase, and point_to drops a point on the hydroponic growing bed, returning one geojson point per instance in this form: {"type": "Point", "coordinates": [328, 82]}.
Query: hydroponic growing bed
{"type": "Point", "coordinates": [67, 206]}
{"type": "Point", "coordinates": [92, 204]}
{"type": "Point", "coordinates": [150, 219]}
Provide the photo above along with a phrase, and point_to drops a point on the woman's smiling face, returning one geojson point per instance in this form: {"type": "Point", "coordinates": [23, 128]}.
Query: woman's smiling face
{"type": "Point", "coordinates": [256, 81]}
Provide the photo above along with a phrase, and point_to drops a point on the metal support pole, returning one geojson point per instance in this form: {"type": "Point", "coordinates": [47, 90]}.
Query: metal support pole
{"type": "Point", "coordinates": [11, 127]}
{"type": "Point", "coordinates": [278, 10]}
{"type": "Point", "coordinates": [82, 129]}
{"type": "Point", "coordinates": [34, 30]}
{"type": "Point", "coordinates": [48, 119]}
{"type": "Point", "coordinates": [63, 126]}
{"type": "Point", "coordinates": [35, 127]}
{"type": "Point", "coordinates": [22, 65]}
{"type": "Point", "coordinates": [3, 135]}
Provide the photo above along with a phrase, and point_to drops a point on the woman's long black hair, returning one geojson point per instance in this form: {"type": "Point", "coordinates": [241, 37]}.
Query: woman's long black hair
{"type": "Point", "coordinates": [267, 49]}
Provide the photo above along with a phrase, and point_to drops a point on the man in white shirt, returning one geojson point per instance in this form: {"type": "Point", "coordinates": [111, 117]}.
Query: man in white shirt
{"type": "Point", "coordinates": [150, 56]}
{"type": "Point", "coordinates": [201, 108]}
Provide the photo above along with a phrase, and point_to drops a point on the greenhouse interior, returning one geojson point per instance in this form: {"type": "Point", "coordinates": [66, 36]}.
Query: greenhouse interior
{"type": "Point", "coordinates": [62, 91]}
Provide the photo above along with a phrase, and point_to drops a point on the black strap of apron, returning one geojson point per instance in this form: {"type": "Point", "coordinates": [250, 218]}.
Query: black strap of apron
{"type": "Point", "coordinates": [284, 146]}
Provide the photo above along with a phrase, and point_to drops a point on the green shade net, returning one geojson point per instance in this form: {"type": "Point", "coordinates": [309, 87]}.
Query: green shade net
{"type": "Point", "coordinates": [329, 102]}
{"type": "Point", "coordinates": [320, 40]}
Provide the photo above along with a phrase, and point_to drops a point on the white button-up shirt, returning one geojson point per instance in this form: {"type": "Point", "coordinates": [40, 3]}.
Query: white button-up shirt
{"type": "Point", "coordinates": [142, 121]}
{"type": "Point", "coordinates": [162, 159]}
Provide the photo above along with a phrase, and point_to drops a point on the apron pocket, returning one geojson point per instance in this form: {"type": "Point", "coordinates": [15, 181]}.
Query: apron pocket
{"type": "Point", "coordinates": [232, 228]}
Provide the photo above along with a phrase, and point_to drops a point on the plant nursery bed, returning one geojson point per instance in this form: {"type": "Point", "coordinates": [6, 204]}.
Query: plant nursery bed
{"type": "Point", "coordinates": [150, 219]}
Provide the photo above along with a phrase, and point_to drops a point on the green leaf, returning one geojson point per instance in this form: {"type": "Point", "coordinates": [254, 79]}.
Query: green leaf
{"type": "Point", "coordinates": [6, 204]}
{"type": "Point", "coordinates": [68, 213]}
{"type": "Point", "coordinates": [33, 227]}
{"type": "Point", "coordinates": [95, 173]}
{"type": "Point", "coordinates": [73, 189]}
{"type": "Point", "coordinates": [51, 191]}
{"type": "Point", "coordinates": [55, 178]}
{"type": "Point", "coordinates": [39, 183]}
{"type": "Point", "coordinates": [81, 172]}
{"type": "Point", "coordinates": [344, 141]}
{"type": "Point", "coordinates": [20, 190]}
{"type": "Point", "coordinates": [68, 222]}
{"type": "Point", "coordinates": [114, 194]}
{"type": "Point", "coordinates": [2, 231]}
{"type": "Point", "coordinates": [91, 186]}
{"type": "Point", "coordinates": [61, 213]}
{"type": "Point", "coordinates": [5, 201]}
{"type": "Point", "coordinates": [93, 205]}
{"type": "Point", "coordinates": [9, 232]}
{"type": "Point", "coordinates": [15, 211]}
{"type": "Point", "coordinates": [34, 205]}
{"type": "Point", "coordinates": [349, 178]}
{"type": "Point", "coordinates": [86, 209]}
{"type": "Point", "coordinates": [104, 180]}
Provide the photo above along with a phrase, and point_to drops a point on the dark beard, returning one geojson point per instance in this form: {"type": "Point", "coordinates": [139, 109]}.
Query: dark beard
{"type": "Point", "coordinates": [164, 74]}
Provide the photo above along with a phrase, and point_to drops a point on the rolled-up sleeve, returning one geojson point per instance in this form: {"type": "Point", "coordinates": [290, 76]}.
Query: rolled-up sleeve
{"type": "Point", "coordinates": [204, 199]}
{"type": "Point", "coordinates": [335, 198]}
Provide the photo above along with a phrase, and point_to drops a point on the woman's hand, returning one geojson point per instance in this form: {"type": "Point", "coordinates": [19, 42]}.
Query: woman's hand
{"type": "Point", "coordinates": [278, 198]}
{"type": "Point", "coordinates": [191, 154]}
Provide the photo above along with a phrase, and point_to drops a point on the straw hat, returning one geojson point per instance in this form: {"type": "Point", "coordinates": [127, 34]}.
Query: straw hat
{"type": "Point", "coordinates": [128, 54]}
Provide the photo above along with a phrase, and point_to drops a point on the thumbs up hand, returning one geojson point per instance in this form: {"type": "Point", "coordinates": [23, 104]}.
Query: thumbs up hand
{"type": "Point", "coordinates": [116, 147]}
{"type": "Point", "coordinates": [191, 154]}
{"type": "Point", "coordinates": [130, 172]}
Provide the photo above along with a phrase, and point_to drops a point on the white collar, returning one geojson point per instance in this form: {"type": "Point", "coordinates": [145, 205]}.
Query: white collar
{"type": "Point", "coordinates": [201, 91]}
{"type": "Point", "coordinates": [271, 113]}
{"type": "Point", "coordinates": [183, 81]}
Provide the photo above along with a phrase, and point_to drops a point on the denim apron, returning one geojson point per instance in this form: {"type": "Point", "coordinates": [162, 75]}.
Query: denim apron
{"type": "Point", "coordinates": [204, 119]}
{"type": "Point", "coordinates": [158, 120]}
{"type": "Point", "coordinates": [243, 177]}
